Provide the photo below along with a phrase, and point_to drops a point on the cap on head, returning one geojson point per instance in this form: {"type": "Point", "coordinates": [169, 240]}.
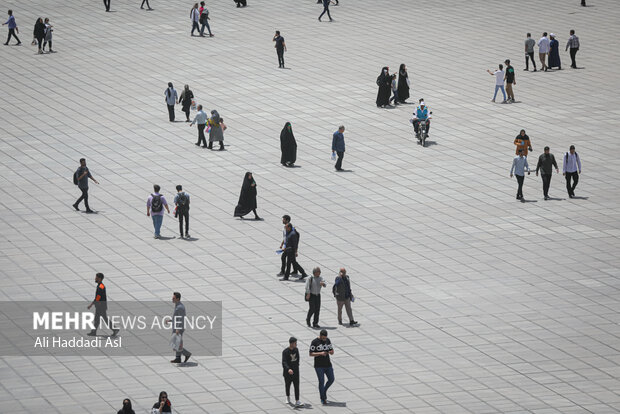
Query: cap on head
{"type": "Point", "coordinates": [546, 148]}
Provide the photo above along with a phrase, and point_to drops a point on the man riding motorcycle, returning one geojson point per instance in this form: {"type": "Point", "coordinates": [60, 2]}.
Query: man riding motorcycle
{"type": "Point", "coordinates": [422, 113]}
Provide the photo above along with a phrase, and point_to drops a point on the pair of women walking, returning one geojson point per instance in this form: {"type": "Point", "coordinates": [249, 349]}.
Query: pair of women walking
{"type": "Point", "coordinates": [386, 87]}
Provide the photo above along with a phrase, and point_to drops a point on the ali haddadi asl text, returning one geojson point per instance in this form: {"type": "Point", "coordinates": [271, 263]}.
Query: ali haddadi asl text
{"type": "Point", "coordinates": [79, 342]}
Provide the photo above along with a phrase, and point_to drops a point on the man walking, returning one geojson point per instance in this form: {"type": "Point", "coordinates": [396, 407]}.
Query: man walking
{"type": "Point", "coordinates": [171, 99]}
{"type": "Point", "coordinates": [344, 296]}
{"type": "Point", "coordinates": [106, 3]}
{"type": "Point", "coordinates": [573, 45]}
{"type": "Point", "coordinates": [499, 82]}
{"type": "Point", "coordinates": [529, 51]}
{"type": "Point", "coordinates": [201, 120]}
{"type": "Point", "coordinates": [510, 80]}
{"type": "Point", "coordinates": [13, 29]}
{"type": "Point", "coordinates": [292, 243]}
{"type": "Point", "coordinates": [290, 365]}
{"type": "Point", "coordinates": [181, 200]}
{"type": "Point", "coordinates": [313, 296]}
{"type": "Point", "coordinates": [543, 50]}
{"type": "Point", "coordinates": [178, 327]}
{"type": "Point", "coordinates": [80, 178]}
{"type": "Point", "coordinates": [285, 220]}
{"type": "Point", "coordinates": [519, 164]}
{"type": "Point", "coordinates": [280, 48]}
{"type": "Point", "coordinates": [546, 162]}
{"type": "Point", "coordinates": [338, 147]}
{"type": "Point", "coordinates": [320, 349]}
{"type": "Point", "coordinates": [326, 4]}
{"type": "Point", "coordinates": [101, 306]}
{"type": "Point", "coordinates": [155, 208]}
{"type": "Point", "coordinates": [571, 169]}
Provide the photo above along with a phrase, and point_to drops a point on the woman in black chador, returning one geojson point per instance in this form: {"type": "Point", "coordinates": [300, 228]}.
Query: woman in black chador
{"type": "Point", "coordinates": [403, 83]}
{"type": "Point", "coordinates": [288, 145]}
{"type": "Point", "coordinates": [384, 82]}
{"type": "Point", "coordinates": [247, 198]}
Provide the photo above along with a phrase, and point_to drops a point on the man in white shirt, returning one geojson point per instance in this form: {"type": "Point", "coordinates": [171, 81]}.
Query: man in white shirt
{"type": "Point", "coordinates": [201, 120]}
{"type": "Point", "coordinates": [499, 82]}
{"type": "Point", "coordinates": [571, 169]}
{"type": "Point", "coordinates": [543, 50]}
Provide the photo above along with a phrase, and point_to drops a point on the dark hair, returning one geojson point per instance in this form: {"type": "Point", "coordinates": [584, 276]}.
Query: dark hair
{"type": "Point", "coordinates": [179, 187]}
{"type": "Point", "coordinates": [170, 84]}
{"type": "Point", "coordinates": [523, 130]}
{"type": "Point", "coordinates": [323, 332]}
{"type": "Point", "coordinates": [202, 3]}
{"type": "Point", "coordinates": [507, 61]}
{"type": "Point", "coordinates": [200, 107]}
{"type": "Point", "coordinates": [292, 340]}
{"type": "Point", "coordinates": [10, 12]}
{"type": "Point", "coordinates": [529, 35]}
{"type": "Point", "coordinates": [421, 100]}
{"type": "Point", "coordinates": [544, 33]}
{"type": "Point", "coordinates": [277, 32]}
{"type": "Point", "coordinates": [286, 217]}
{"type": "Point", "coordinates": [501, 66]}
{"type": "Point", "coordinates": [572, 147]}
{"type": "Point", "coordinates": [127, 407]}
{"type": "Point", "coordinates": [156, 188]}
{"type": "Point", "coordinates": [546, 148]}
{"type": "Point", "coordinates": [572, 32]}
{"type": "Point", "coordinates": [168, 403]}
{"type": "Point", "coordinates": [178, 296]}
{"type": "Point", "coordinates": [99, 275]}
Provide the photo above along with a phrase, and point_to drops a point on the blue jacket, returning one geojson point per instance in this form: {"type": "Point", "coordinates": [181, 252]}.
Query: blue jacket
{"type": "Point", "coordinates": [338, 142]}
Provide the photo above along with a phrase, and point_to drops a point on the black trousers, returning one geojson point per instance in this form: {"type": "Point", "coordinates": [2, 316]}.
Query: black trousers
{"type": "Point", "coordinates": [101, 312]}
{"type": "Point", "coordinates": [546, 179]}
{"type": "Point", "coordinates": [171, 112]}
{"type": "Point", "coordinates": [40, 41]}
{"type": "Point", "coordinates": [183, 215]}
{"type": "Point", "coordinates": [573, 53]}
{"type": "Point", "coordinates": [84, 197]}
{"type": "Point", "coordinates": [147, 4]}
{"type": "Point", "coordinates": [12, 33]}
{"type": "Point", "coordinates": [520, 179]}
{"type": "Point", "coordinates": [314, 308]}
{"type": "Point", "coordinates": [46, 42]}
{"type": "Point", "coordinates": [325, 10]}
{"type": "Point", "coordinates": [575, 177]}
{"type": "Point", "coordinates": [283, 262]}
{"type": "Point", "coordinates": [531, 56]}
{"type": "Point", "coordinates": [201, 135]}
{"type": "Point", "coordinates": [292, 260]}
{"type": "Point", "coordinates": [186, 113]}
{"type": "Point", "coordinates": [292, 379]}
{"type": "Point", "coordinates": [106, 3]}
{"type": "Point", "coordinates": [280, 57]}
{"type": "Point", "coordinates": [338, 165]}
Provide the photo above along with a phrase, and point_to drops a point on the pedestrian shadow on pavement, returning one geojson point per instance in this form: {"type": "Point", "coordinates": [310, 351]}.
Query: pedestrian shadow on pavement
{"type": "Point", "coordinates": [89, 212]}
{"type": "Point", "coordinates": [329, 328]}
{"type": "Point", "coordinates": [166, 238]}
{"type": "Point", "coordinates": [187, 364]}
{"type": "Point", "coordinates": [343, 170]}
{"type": "Point", "coordinates": [190, 239]}
{"type": "Point", "coordinates": [336, 404]}
{"type": "Point", "coordinates": [556, 198]}
{"type": "Point", "coordinates": [429, 143]}
{"type": "Point", "coordinates": [523, 200]}
{"type": "Point", "coordinates": [580, 198]}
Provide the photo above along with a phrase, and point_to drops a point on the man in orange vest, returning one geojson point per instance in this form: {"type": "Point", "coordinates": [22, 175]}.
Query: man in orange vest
{"type": "Point", "coordinates": [101, 306]}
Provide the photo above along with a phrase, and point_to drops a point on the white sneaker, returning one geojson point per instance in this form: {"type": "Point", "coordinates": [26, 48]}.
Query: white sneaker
{"type": "Point", "coordinates": [299, 404]}
{"type": "Point", "coordinates": [288, 400]}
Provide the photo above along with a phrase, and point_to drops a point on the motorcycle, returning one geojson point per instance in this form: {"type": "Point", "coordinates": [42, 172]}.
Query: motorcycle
{"type": "Point", "coordinates": [422, 133]}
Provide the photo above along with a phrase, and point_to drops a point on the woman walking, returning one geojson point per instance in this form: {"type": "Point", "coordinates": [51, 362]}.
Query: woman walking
{"type": "Point", "coordinates": [186, 100]}
{"type": "Point", "coordinates": [247, 198]}
{"type": "Point", "coordinates": [384, 82]}
{"type": "Point", "coordinates": [403, 84]}
{"type": "Point", "coordinates": [48, 35]}
{"type": "Point", "coordinates": [39, 33]}
{"type": "Point", "coordinates": [194, 15]}
{"type": "Point", "coordinates": [171, 99]}
{"type": "Point", "coordinates": [288, 146]}
{"type": "Point", "coordinates": [216, 129]}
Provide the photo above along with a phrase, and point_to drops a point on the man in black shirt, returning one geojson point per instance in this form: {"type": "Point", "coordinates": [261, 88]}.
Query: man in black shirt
{"type": "Point", "coordinates": [290, 364]}
{"type": "Point", "coordinates": [546, 162]}
{"type": "Point", "coordinates": [510, 80]}
{"type": "Point", "coordinates": [321, 348]}
{"type": "Point", "coordinates": [280, 48]}
{"type": "Point", "coordinates": [80, 178]}
{"type": "Point", "coordinates": [292, 242]}
{"type": "Point", "coordinates": [101, 306]}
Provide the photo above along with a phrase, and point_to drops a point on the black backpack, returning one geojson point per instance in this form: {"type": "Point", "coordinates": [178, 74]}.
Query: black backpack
{"type": "Point", "coordinates": [156, 204]}
{"type": "Point", "coordinates": [75, 177]}
{"type": "Point", "coordinates": [183, 201]}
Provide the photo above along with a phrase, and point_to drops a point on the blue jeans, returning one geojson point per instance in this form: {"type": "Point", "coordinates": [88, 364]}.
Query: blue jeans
{"type": "Point", "coordinates": [202, 29]}
{"type": "Point", "coordinates": [157, 220]}
{"type": "Point", "coordinates": [320, 373]}
{"type": "Point", "coordinates": [498, 87]}
{"type": "Point", "coordinates": [195, 26]}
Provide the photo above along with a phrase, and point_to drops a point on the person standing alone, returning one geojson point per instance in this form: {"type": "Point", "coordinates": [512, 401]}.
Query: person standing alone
{"type": "Point", "coordinates": [280, 48]}
{"type": "Point", "coordinates": [80, 178]}
{"type": "Point", "coordinates": [178, 327]}
{"type": "Point", "coordinates": [573, 44]}
{"type": "Point", "coordinates": [529, 51]}
{"type": "Point", "coordinates": [313, 296]}
{"type": "Point", "coordinates": [155, 208]}
{"type": "Point", "coordinates": [181, 200]}
{"type": "Point", "coordinates": [101, 306]}
{"type": "Point", "coordinates": [571, 169]}
{"type": "Point", "coordinates": [338, 146]}
{"type": "Point", "coordinates": [290, 365]}
{"type": "Point", "coordinates": [546, 162]}
{"type": "Point", "coordinates": [13, 29]}
{"type": "Point", "coordinates": [320, 349]}
{"type": "Point", "coordinates": [171, 99]}
{"type": "Point", "coordinates": [344, 296]}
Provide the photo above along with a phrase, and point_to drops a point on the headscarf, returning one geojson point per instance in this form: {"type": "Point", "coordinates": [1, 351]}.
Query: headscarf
{"type": "Point", "coordinates": [215, 117]}
{"type": "Point", "coordinates": [402, 70]}
{"type": "Point", "coordinates": [126, 407]}
{"type": "Point", "coordinates": [169, 90]}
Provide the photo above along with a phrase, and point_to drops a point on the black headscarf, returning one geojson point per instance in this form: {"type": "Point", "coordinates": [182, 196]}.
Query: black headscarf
{"type": "Point", "coordinates": [247, 198]}
{"type": "Point", "coordinates": [403, 86]}
{"type": "Point", "coordinates": [288, 145]}
{"type": "Point", "coordinates": [385, 90]}
{"type": "Point", "coordinates": [127, 407]}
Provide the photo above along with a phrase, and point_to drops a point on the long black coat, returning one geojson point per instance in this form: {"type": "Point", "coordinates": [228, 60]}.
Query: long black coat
{"type": "Point", "coordinates": [385, 88]}
{"type": "Point", "coordinates": [247, 198]}
{"type": "Point", "coordinates": [288, 145]}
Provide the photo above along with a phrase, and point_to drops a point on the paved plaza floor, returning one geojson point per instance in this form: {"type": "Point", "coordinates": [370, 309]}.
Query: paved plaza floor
{"type": "Point", "coordinates": [468, 300]}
